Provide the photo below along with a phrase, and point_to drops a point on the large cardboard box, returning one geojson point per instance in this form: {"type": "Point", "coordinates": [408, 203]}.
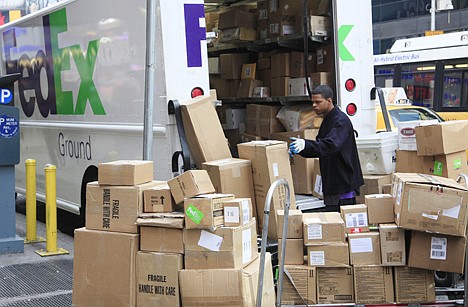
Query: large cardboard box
{"type": "Point", "coordinates": [114, 208]}
{"type": "Point", "coordinates": [449, 165]}
{"type": "Point", "coordinates": [280, 65]}
{"type": "Point", "coordinates": [320, 25]}
{"type": "Point", "coordinates": [237, 212]}
{"type": "Point", "coordinates": [373, 284]}
{"type": "Point", "coordinates": [205, 211]}
{"type": "Point", "coordinates": [409, 162]}
{"type": "Point", "coordinates": [364, 248]}
{"type": "Point", "coordinates": [442, 138]}
{"type": "Point", "coordinates": [335, 285]}
{"type": "Point", "coordinates": [239, 34]}
{"type": "Point", "coordinates": [285, 7]}
{"type": "Point", "coordinates": [323, 227]}
{"type": "Point", "coordinates": [236, 18]}
{"type": "Point", "coordinates": [262, 121]}
{"type": "Point", "coordinates": [203, 131]}
{"type": "Point", "coordinates": [159, 199]}
{"type": "Point", "coordinates": [379, 208]}
{"type": "Point", "coordinates": [125, 172]}
{"type": "Point", "coordinates": [298, 87]}
{"type": "Point", "coordinates": [328, 254]}
{"type": "Point", "coordinates": [231, 64]}
{"type": "Point", "coordinates": [407, 133]}
{"type": "Point", "coordinates": [297, 67]}
{"type": "Point", "coordinates": [158, 279]}
{"type": "Point", "coordinates": [355, 218]}
{"type": "Point", "coordinates": [161, 239]}
{"type": "Point", "coordinates": [104, 268]}
{"type": "Point", "coordinates": [392, 245]}
{"type": "Point", "coordinates": [270, 162]}
{"type": "Point", "coordinates": [430, 203]}
{"type": "Point", "coordinates": [294, 251]}
{"type": "Point", "coordinates": [190, 183]}
{"type": "Point", "coordinates": [214, 287]}
{"type": "Point", "coordinates": [414, 285]}
{"type": "Point", "coordinates": [247, 86]}
{"type": "Point", "coordinates": [322, 78]}
{"type": "Point", "coordinates": [294, 224]}
{"type": "Point", "coordinates": [325, 59]}
{"type": "Point", "coordinates": [299, 285]}
{"type": "Point", "coordinates": [437, 252]}
{"type": "Point", "coordinates": [225, 88]}
{"type": "Point", "coordinates": [279, 86]}
{"type": "Point", "coordinates": [281, 25]}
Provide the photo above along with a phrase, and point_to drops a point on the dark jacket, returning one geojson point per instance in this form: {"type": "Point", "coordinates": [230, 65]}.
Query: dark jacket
{"type": "Point", "coordinates": [335, 145]}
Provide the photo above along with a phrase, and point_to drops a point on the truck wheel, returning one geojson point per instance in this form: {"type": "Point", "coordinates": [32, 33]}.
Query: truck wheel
{"type": "Point", "coordinates": [443, 279]}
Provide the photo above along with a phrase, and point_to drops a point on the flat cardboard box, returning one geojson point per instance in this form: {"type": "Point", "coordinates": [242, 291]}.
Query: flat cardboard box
{"type": "Point", "coordinates": [158, 279]}
{"type": "Point", "coordinates": [125, 172]}
{"type": "Point", "coordinates": [392, 245]}
{"type": "Point", "coordinates": [328, 254]}
{"type": "Point", "coordinates": [237, 212]}
{"type": "Point", "coordinates": [364, 248]}
{"type": "Point", "coordinates": [190, 183]}
{"type": "Point", "coordinates": [335, 285]}
{"type": "Point", "coordinates": [162, 219]}
{"type": "Point", "coordinates": [160, 239]}
{"type": "Point", "coordinates": [303, 284]}
{"type": "Point", "coordinates": [231, 64]}
{"type": "Point", "coordinates": [280, 65]}
{"type": "Point", "coordinates": [236, 18]}
{"type": "Point", "coordinates": [379, 208]}
{"type": "Point", "coordinates": [203, 131]}
{"type": "Point", "coordinates": [96, 254]}
{"type": "Point", "coordinates": [262, 121]}
{"type": "Point", "coordinates": [270, 162]}
{"type": "Point", "coordinates": [373, 284]}
{"type": "Point", "coordinates": [442, 138]}
{"type": "Point", "coordinates": [214, 287]}
{"type": "Point", "coordinates": [114, 208]}
{"type": "Point", "coordinates": [294, 251]}
{"type": "Point", "coordinates": [239, 34]}
{"type": "Point", "coordinates": [323, 227]}
{"type": "Point", "coordinates": [317, 180]}
{"type": "Point", "coordinates": [355, 218]}
{"type": "Point", "coordinates": [246, 87]}
{"type": "Point", "coordinates": [430, 203]}
{"type": "Point", "coordinates": [159, 199]}
{"type": "Point", "coordinates": [205, 211]}
{"type": "Point", "coordinates": [414, 285]}
{"type": "Point", "coordinates": [294, 224]}
{"type": "Point", "coordinates": [437, 252]}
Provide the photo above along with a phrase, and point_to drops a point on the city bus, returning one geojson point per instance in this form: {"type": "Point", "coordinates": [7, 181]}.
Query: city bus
{"type": "Point", "coordinates": [433, 70]}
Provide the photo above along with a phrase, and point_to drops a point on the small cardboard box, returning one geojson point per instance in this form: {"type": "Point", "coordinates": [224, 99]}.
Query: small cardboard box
{"type": "Point", "coordinates": [449, 165]}
{"type": "Point", "coordinates": [237, 212]}
{"type": "Point", "coordinates": [355, 218]}
{"type": "Point", "coordinates": [364, 248]}
{"type": "Point", "coordinates": [96, 254]}
{"type": "Point", "coordinates": [262, 121]}
{"type": "Point", "coordinates": [211, 286]}
{"type": "Point", "coordinates": [298, 87]}
{"type": "Point", "coordinates": [125, 172]}
{"type": "Point", "coordinates": [297, 67]}
{"type": "Point", "coordinates": [294, 251]}
{"type": "Point", "coordinates": [264, 63]}
{"type": "Point", "coordinates": [247, 86]}
{"type": "Point", "coordinates": [190, 183]}
{"type": "Point", "coordinates": [280, 65]}
{"type": "Point", "coordinates": [437, 252]}
{"type": "Point", "coordinates": [414, 285]}
{"type": "Point", "coordinates": [379, 208]}
{"type": "Point", "coordinates": [373, 284]}
{"type": "Point", "coordinates": [159, 199]}
{"type": "Point", "coordinates": [392, 245]}
{"type": "Point", "coordinates": [205, 211]}
{"type": "Point", "coordinates": [249, 71]}
{"type": "Point", "coordinates": [328, 254]}
{"type": "Point", "coordinates": [409, 162]}
{"type": "Point", "coordinates": [231, 64]}
{"type": "Point", "coordinates": [335, 285]}
{"type": "Point", "coordinates": [160, 239]}
{"type": "Point", "coordinates": [325, 59]}
{"type": "Point", "coordinates": [322, 78]}
{"type": "Point", "coordinates": [279, 86]}
{"type": "Point", "coordinates": [294, 224]}
{"type": "Point", "coordinates": [442, 138]}
{"type": "Point", "coordinates": [320, 25]}
{"type": "Point", "coordinates": [158, 279]}
{"type": "Point", "coordinates": [281, 25]}
{"type": "Point", "coordinates": [236, 18]}
{"type": "Point", "coordinates": [303, 285]}
{"type": "Point", "coordinates": [323, 227]}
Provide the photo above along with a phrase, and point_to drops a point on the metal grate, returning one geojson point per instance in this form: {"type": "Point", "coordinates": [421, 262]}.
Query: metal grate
{"type": "Point", "coordinates": [61, 300]}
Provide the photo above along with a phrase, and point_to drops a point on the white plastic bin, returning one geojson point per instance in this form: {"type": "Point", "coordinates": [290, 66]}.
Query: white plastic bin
{"type": "Point", "coordinates": [377, 153]}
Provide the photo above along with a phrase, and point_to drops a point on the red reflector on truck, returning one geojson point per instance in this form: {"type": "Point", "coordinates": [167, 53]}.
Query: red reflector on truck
{"type": "Point", "coordinates": [350, 85]}
{"type": "Point", "coordinates": [197, 92]}
{"type": "Point", "coordinates": [351, 109]}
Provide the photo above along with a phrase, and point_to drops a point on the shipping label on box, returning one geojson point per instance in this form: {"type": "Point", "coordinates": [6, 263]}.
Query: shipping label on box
{"type": "Point", "coordinates": [125, 172]}
{"type": "Point", "coordinates": [392, 245]}
{"type": "Point", "coordinates": [323, 227]}
{"type": "Point", "coordinates": [328, 254]}
{"type": "Point", "coordinates": [373, 284]}
{"type": "Point", "coordinates": [355, 218]}
{"type": "Point", "coordinates": [335, 285]}
{"type": "Point", "coordinates": [205, 211]}
{"type": "Point", "coordinates": [364, 248]}
{"type": "Point", "coordinates": [237, 212]}
{"type": "Point", "coordinates": [414, 285]}
{"type": "Point", "coordinates": [302, 287]}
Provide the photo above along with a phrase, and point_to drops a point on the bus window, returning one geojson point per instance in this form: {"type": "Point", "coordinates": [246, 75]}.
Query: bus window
{"type": "Point", "coordinates": [452, 89]}
{"type": "Point", "coordinates": [384, 76]}
{"type": "Point", "coordinates": [418, 81]}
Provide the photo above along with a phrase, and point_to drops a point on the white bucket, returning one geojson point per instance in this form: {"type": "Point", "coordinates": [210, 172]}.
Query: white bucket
{"type": "Point", "coordinates": [377, 153]}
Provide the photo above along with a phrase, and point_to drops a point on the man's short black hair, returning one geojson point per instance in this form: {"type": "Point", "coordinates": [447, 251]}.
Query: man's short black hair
{"type": "Point", "coordinates": [323, 90]}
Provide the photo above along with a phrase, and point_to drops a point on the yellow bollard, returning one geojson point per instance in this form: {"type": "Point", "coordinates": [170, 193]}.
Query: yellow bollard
{"type": "Point", "coordinates": [31, 235]}
{"type": "Point", "coordinates": [51, 213]}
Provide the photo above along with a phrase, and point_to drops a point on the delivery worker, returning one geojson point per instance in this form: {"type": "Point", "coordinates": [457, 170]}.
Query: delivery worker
{"type": "Point", "coordinates": [335, 146]}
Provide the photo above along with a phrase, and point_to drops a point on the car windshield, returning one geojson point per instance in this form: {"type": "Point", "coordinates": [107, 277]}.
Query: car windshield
{"type": "Point", "coordinates": [408, 114]}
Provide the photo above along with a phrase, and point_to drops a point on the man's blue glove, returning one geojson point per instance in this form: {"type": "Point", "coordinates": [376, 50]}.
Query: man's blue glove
{"type": "Point", "coordinates": [296, 146]}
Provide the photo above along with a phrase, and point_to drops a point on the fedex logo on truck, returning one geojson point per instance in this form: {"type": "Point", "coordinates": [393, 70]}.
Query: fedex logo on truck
{"type": "Point", "coordinates": [46, 65]}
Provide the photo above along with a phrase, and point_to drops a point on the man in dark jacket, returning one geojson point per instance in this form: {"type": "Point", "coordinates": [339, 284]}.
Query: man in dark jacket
{"type": "Point", "coordinates": [335, 146]}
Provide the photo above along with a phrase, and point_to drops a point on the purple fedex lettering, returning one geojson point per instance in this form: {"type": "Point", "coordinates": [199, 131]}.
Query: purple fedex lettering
{"type": "Point", "coordinates": [194, 34]}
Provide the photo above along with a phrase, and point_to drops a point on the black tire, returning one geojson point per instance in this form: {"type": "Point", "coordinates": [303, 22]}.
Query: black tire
{"type": "Point", "coordinates": [443, 279]}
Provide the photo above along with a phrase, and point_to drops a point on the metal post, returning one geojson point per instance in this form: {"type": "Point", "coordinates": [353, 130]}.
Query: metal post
{"type": "Point", "coordinates": [433, 11]}
{"type": "Point", "coordinates": [464, 177]}
{"type": "Point", "coordinates": [51, 213]}
{"type": "Point", "coordinates": [31, 235]}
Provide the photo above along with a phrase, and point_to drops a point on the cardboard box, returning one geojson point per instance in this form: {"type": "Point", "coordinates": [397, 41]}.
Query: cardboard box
{"type": "Point", "coordinates": [392, 245]}
{"type": "Point", "coordinates": [323, 227]}
{"type": "Point", "coordinates": [409, 162]}
{"type": "Point", "coordinates": [224, 88]}
{"type": "Point", "coordinates": [322, 78]}
{"type": "Point", "coordinates": [407, 133]}
{"type": "Point", "coordinates": [96, 254]}
{"type": "Point", "coordinates": [240, 34]}
{"type": "Point", "coordinates": [328, 254]}
{"type": "Point", "coordinates": [279, 26]}
{"type": "Point", "coordinates": [205, 211]}
{"type": "Point", "coordinates": [280, 65]}
{"type": "Point", "coordinates": [321, 7]}
{"type": "Point", "coordinates": [294, 224]}
{"type": "Point", "coordinates": [320, 25]}
{"type": "Point", "coordinates": [373, 284]}
{"type": "Point", "coordinates": [270, 162]}
{"type": "Point", "coordinates": [114, 208]}
{"type": "Point", "coordinates": [231, 64]}
{"type": "Point", "coordinates": [249, 71]}
{"type": "Point", "coordinates": [317, 180]}
{"type": "Point", "coordinates": [237, 212]}
{"type": "Point", "coordinates": [294, 251]}
{"type": "Point", "coordinates": [190, 183]}
{"type": "Point", "coordinates": [285, 7]}
{"type": "Point", "coordinates": [213, 65]}
{"type": "Point", "coordinates": [414, 285]}
{"type": "Point", "coordinates": [355, 218]}
{"type": "Point", "coordinates": [203, 131]}
{"type": "Point", "coordinates": [437, 252]}
{"type": "Point", "coordinates": [442, 138]}
{"type": "Point", "coordinates": [160, 239]}
{"type": "Point", "coordinates": [364, 248]}
{"type": "Point", "coordinates": [236, 18]}
{"type": "Point", "coordinates": [325, 59]}
{"type": "Point", "coordinates": [262, 121]}
{"type": "Point", "coordinates": [448, 166]}
{"type": "Point", "coordinates": [298, 87]}
{"type": "Point", "coordinates": [159, 199]}
{"type": "Point", "coordinates": [299, 281]}
{"type": "Point", "coordinates": [158, 279]}
{"type": "Point", "coordinates": [125, 172]}
{"type": "Point", "coordinates": [299, 117]}
{"type": "Point", "coordinates": [279, 86]}
{"type": "Point", "coordinates": [297, 67]}
{"type": "Point", "coordinates": [249, 138]}
{"type": "Point", "coordinates": [265, 76]}
{"type": "Point", "coordinates": [263, 64]}
{"type": "Point", "coordinates": [379, 208]}
{"type": "Point", "coordinates": [335, 285]}
{"type": "Point", "coordinates": [247, 86]}
{"type": "Point", "coordinates": [213, 287]}
{"type": "Point", "coordinates": [429, 203]}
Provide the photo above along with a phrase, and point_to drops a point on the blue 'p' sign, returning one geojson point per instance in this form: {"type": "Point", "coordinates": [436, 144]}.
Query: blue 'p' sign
{"type": "Point", "coordinates": [5, 96]}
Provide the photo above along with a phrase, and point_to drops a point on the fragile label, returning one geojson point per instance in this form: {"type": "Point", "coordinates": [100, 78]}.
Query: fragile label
{"type": "Point", "coordinates": [361, 245]}
{"type": "Point", "coordinates": [317, 258]}
{"type": "Point", "coordinates": [194, 214]}
{"type": "Point", "coordinates": [210, 241]}
{"type": "Point", "coordinates": [246, 245]}
{"type": "Point", "coordinates": [231, 215]}
{"type": "Point", "coordinates": [356, 220]}
{"type": "Point", "coordinates": [438, 248]}
{"type": "Point", "coordinates": [314, 231]}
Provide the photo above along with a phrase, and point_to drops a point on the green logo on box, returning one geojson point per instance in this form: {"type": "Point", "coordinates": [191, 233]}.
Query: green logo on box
{"type": "Point", "coordinates": [194, 214]}
{"type": "Point", "coordinates": [438, 166]}
{"type": "Point", "coordinates": [457, 164]}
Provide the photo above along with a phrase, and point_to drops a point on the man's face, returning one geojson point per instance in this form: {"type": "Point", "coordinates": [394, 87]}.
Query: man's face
{"type": "Point", "coordinates": [321, 105]}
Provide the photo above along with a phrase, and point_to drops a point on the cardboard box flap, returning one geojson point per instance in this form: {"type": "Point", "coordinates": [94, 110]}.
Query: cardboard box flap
{"type": "Point", "coordinates": [166, 220]}
{"type": "Point", "coordinates": [227, 163]}
{"type": "Point", "coordinates": [212, 196]}
{"type": "Point", "coordinates": [431, 180]}
{"type": "Point", "coordinates": [323, 218]}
